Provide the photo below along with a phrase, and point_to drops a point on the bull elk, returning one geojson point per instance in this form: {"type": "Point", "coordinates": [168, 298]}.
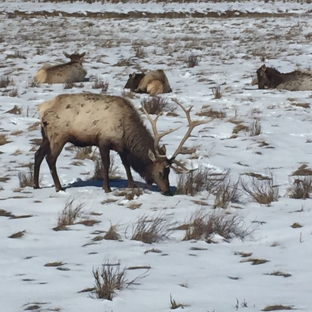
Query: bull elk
{"type": "Point", "coordinates": [292, 81]}
{"type": "Point", "coordinates": [154, 83]}
{"type": "Point", "coordinates": [72, 71]}
{"type": "Point", "coordinates": [110, 123]}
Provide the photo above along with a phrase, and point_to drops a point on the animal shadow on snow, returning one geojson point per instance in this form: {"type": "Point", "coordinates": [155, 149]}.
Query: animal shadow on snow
{"type": "Point", "coordinates": [115, 183]}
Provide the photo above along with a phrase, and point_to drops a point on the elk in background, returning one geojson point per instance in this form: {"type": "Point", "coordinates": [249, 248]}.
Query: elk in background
{"type": "Point", "coordinates": [72, 71]}
{"type": "Point", "coordinates": [293, 81]}
{"type": "Point", "coordinates": [153, 83]}
{"type": "Point", "coordinates": [110, 123]}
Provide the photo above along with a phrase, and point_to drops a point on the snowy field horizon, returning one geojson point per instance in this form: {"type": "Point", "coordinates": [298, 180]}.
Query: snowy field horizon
{"type": "Point", "coordinates": [257, 143]}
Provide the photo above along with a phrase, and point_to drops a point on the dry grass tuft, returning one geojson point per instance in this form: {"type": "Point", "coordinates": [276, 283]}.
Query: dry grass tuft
{"type": "Point", "coordinates": [303, 170]}
{"type": "Point", "coordinates": [151, 229]}
{"type": "Point", "coordinates": [202, 225]}
{"type": "Point", "coordinates": [277, 307]}
{"type": "Point", "coordinates": [300, 188]}
{"type": "Point", "coordinates": [279, 273]}
{"type": "Point", "coordinates": [211, 113]}
{"type": "Point", "coordinates": [100, 84]}
{"type": "Point", "coordinates": [110, 278]}
{"type": "Point", "coordinates": [263, 192]}
{"type": "Point", "coordinates": [255, 128]}
{"type": "Point", "coordinates": [3, 139]}
{"type": "Point", "coordinates": [83, 153]}
{"type": "Point", "coordinates": [26, 179]}
{"type": "Point", "coordinates": [216, 91]}
{"type": "Point", "coordinates": [54, 264]}
{"type": "Point", "coordinates": [156, 104]}
{"type": "Point", "coordinates": [69, 214]}
{"type": "Point", "coordinates": [227, 192]}
{"type": "Point", "coordinates": [175, 305]}
{"type": "Point", "coordinates": [192, 60]}
{"type": "Point", "coordinates": [5, 81]}
{"type": "Point", "coordinates": [99, 169]}
{"type": "Point", "coordinates": [112, 234]}
{"type": "Point", "coordinates": [200, 180]}
{"type": "Point", "coordinates": [17, 234]}
{"type": "Point", "coordinates": [255, 261]}
{"type": "Point", "coordinates": [139, 52]}
{"type": "Point", "coordinates": [15, 110]}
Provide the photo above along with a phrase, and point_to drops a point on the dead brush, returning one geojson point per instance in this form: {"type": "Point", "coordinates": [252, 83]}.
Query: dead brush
{"type": "Point", "coordinates": [13, 93]}
{"type": "Point", "coordinates": [262, 191]}
{"type": "Point", "coordinates": [68, 85]}
{"type": "Point", "coordinates": [5, 81]}
{"type": "Point", "coordinates": [200, 180]}
{"type": "Point", "coordinates": [69, 214]}
{"type": "Point", "coordinates": [226, 193]}
{"type": "Point", "coordinates": [26, 179]}
{"type": "Point", "coordinates": [139, 52]}
{"type": "Point", "coordinates": [192, 60]}
{"type": "Point", "coordinates": [216, 91]}
{"type": "Point", "coordinates": [202, 225]}
{"type": "Point", "coordinates": [84, 152]}
{"type": "Point", "coordinates": [210, 112]}
{"type": "Point", "coordinates": [255, 128]}
{"type": "Point", "coordinates": [110, 278]}
{"type": "Point", "coordinates": [176, 305]}
{"type": "Point", "coordinates": [100, 84]}
{"type": "Point", "coordinates": [99, 168]}
{"type": "Point", "coordinates": [34, 83]}
{"type": "Point", "coordinates": [156, 104]}
{"type": "Point", "coordinates": [300, 188]}
{"type": "Point", "coordinates": [151, 229]}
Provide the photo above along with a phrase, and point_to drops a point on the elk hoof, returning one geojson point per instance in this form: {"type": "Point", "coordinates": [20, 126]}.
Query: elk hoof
{"type": "Point", "coordinates": [168, 193]}
{"type": "Point", "coordinates": [36, 187]}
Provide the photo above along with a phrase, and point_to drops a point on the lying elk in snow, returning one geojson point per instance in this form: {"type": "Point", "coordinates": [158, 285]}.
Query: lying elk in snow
{"type": "Point", "coordinates": [110, 123]}
{"type": "Point", "coordinates": [72, 71]}
{"type": "Point", "coordinates": [293, 81]}
{"type": "Point", "coordinates": [153, 83]}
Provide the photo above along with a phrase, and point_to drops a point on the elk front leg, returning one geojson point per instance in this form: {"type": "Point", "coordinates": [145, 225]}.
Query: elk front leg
{"type": "Point", "coordinates": [39, 155]}
{"type": "Point", "coordinates": [104, 151]}
{"type": "Point", "coordinates": [125, 163]}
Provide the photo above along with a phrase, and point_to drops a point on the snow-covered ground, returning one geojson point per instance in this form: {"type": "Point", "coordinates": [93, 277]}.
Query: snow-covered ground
{"type": "Point", "coordinates": [204, 277]}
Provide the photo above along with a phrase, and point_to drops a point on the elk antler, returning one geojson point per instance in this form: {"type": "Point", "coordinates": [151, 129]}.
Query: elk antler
{"type": "Point", "coordinates": [192, 125]}
{"type": "Point", "coordinates": [157, 135]}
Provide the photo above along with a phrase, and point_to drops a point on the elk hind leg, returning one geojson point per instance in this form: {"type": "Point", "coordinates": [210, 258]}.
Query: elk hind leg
{"type": "Point", "coordinates": [43, 150]}
{"type": "Point", "coordinates": [51, 160]}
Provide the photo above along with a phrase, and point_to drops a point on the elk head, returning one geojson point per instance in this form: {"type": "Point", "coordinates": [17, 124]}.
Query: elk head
{"type": "Point", "coordinates": [263, 80]}
{"type": "Point", "coordinates": [75, 57]}
{"type": "Point", "coordinates": [162, 164]}
{"type": "Point", "coordinates": [133, 81]}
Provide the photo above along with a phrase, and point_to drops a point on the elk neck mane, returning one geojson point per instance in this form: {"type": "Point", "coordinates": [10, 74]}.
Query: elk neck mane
{"type": "Point", "coordinates": [138, 141]}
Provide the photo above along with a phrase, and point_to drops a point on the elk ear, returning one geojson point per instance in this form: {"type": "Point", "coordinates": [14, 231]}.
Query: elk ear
{"type": "Point", "coordinates": [263, 67]}
{"type": "Point", "coordinates": [163, 150]}
{"type": "Point", "coordinates": [151, 156]}
{"type": "Point", "coordinates": [82, 54]}
{"type": "Point", "coordinates": [66, 54]}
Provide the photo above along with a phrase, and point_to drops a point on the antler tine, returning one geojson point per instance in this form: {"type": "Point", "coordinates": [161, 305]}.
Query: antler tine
{"type": "Point", "coordinates": [192, 125]}
{"type": "Point", "coordinates": [157, 135]}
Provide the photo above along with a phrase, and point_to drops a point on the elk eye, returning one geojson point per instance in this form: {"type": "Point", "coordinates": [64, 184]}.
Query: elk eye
{"type": "Point", "coordinates": [160, 174]}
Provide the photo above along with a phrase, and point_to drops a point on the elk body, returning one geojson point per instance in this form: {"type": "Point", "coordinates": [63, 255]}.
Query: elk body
{"type": "Point", "coordinates": [293, 81]}
{"type": "Point", "coordinates": [110, 123]}
{"type": "Point", "coordinates": [153, 83]}
{"type": "Point", "coordinates": [72, 71]}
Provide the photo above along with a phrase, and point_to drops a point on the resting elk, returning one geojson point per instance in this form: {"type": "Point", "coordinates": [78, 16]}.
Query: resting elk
{"type": "Point", "coordinates": [72, 71]}
{"type": "Point", "coordinates": [110, 123]}
{"type": "Point", "coordinates": [293, 81]}
{"type": "Point", "coordinates": [153, 83]}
